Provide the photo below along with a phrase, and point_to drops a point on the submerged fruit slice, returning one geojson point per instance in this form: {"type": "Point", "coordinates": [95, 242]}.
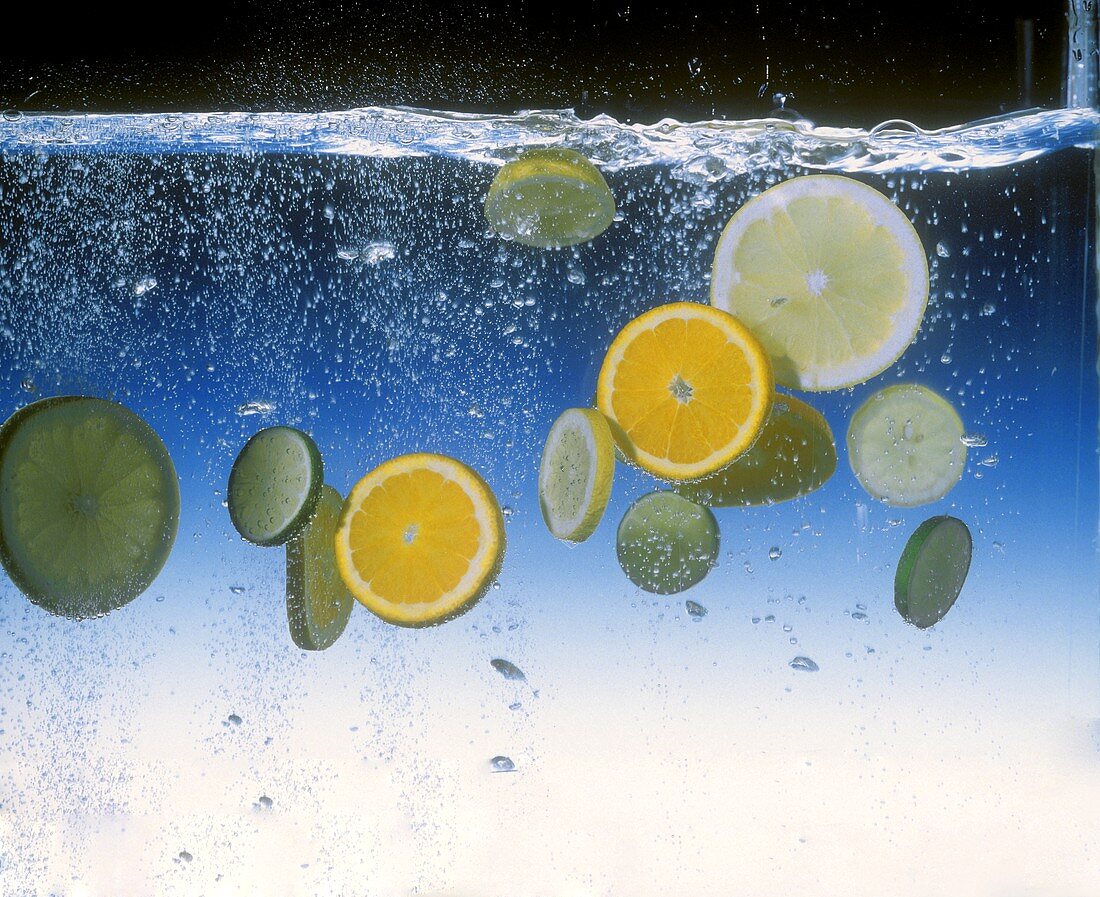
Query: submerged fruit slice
{"type": "Point", "coordinates": [549, 198]}
{"type": "Point", "coordinates": [420, 539]}
{"type": "Point", "coordinates": [578, 465]}
{"type": "Point", "coordinates": [905, 445]}
{"type": "Point", "coordinates": [274, 485]}
{"type": "Point", "coordinates": [667, 544]}
{"type": "Point", "coordinates": [686, 388]}
{"type": "Point", "coordinates": [932, 570]}
{"type": "Point", "coordinates": [829, 274]}
{"type": "Point", "coordinates": [794, 455]}
{"type": "Point", "coordinates": [318, 603]}
{"type": "Point", "coordinates": [89, 504]}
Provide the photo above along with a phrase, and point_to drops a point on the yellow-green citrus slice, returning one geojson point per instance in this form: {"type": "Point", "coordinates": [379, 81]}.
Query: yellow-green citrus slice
{"type": "Point", "coordinates": [932, 570]}
{"type": "Point", "coordinates": [274, 485]}
{"type": "Point", "coordinates": [420, 539]}
{"type": "Point", "coordinates": [829, 274]}
{"type": "Point", "coordinates": [549, 198]}
{"type": "Point", "coordinates": [793, 455]}
{"type": "Point", "coordinates": [89, 504]}
{"type": "Point", "coordinates": [905, 445]}
{"type": "Point", "coordinates": [318, 604]}
{"type": "Point", "coordinates": [686, 389]}
{"type": "Point", "coordinates": [666, 543]}
{"type": "Point", "coordinates": [575, 475]}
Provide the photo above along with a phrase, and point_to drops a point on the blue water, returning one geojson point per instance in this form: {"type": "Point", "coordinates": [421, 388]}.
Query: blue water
{"type": "Point", "coordinates": [343, 280]}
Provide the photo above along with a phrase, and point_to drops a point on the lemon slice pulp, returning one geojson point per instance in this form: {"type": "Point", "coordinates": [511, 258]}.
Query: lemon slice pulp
{"type": "Point", "coordinates": [829, 274]}
{"type": "Point", "coordinates": [420, 539]}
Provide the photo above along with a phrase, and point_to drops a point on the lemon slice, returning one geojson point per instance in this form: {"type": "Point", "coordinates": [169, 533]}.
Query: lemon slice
{"type": "Point", "coordinates": [905, 445]}
{"type": "Point", "coordinates": [686, 389]}
{"type": "Point", "coordinates": [89, 504]}
{"type": "Point", "coordinates": [578, 465]}
{"type": "Point", "coordinates": [318, 604]}
{"type": "Point", "coordinates": [829, 274]}
{"type": "Point", "coordinates": [420, 539]}
{"type": "Point", "coordinates": [549, 198]}
{"type": "Point", "coordinates": [794, 455]}
{"type": "Point", "coordinates": [666, 543]}
{"type": "Point", "coordinates": [932, 570]}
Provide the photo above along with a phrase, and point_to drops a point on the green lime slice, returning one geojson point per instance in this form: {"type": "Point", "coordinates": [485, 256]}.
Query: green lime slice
{"type": "Point", "coordinates": [932, 570]}
{"type": "Point", "coordinates": [274, 485]}
{"type": "Point", "coordinates": [549, 198]}
{"type": "Point", "coordinates": [575, 474]}
{"type": "Point", "coordinates": [794, 454]}
{"type": "Point", "coordinates": [89, 504]}
{"type": "Point", "coordinates": [666, 543]}
{"type": "Point", "coordinates": [318, 604]}
{"type": "Point", "coordinates": [905, 445]}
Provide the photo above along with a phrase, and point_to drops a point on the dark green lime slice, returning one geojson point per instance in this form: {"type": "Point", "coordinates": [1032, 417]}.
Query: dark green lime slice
{"type": "Point", "coordinates": [89, 504]}
{"type": "Point", "coordinates": [318, 604]}
{"type": "Point", "coordinates": [932, 570]}
{"type": "Point", "coordinates": [274, 485]}
{"type": "Point", "coordinates": [666, 543]}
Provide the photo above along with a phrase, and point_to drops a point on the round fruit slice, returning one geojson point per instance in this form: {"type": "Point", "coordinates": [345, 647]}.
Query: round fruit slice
{"type": "Point", "coordinates": [905, 445]}
{"type": "Point", "coordinates": [89, 504]}
{"type": "Point", "coordinates": [932, 570]}
{"type": "Point", "coordinates": [549, 198]}
{"type": "Point", "coordinates": [686, 388]}
{"type": "Point", "coordinates": [829, 274]}
{"type": "Point", "coordinates": [274, 485]}
{"type": "Point", "coordinates": [318, 603]}
{"type": "Point", "coordinates": [420, 539]}
{"type": "Point", "coordinates": [667, 544]}
{"type": "Point", "coordinates": [578, 465]}
{"type": "Point", "coordinates": [794, 455]}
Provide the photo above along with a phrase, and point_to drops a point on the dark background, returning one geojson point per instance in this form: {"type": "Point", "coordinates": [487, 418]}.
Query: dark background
{"type": "Point", "coordinates": [849, 62]}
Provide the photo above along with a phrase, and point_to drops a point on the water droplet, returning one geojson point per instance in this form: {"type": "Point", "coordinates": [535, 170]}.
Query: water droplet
{"type": "Point", "coordinates": [942, 250]}
{"type": "Point", "coordinates": [185, 856]}
{"type": "Point", "coordinates": [508, 669]}
{"type": "Point", "coordinates": [945, 358]}
{"type": "Point", "coordinates": [974, 440]}
{"type": "Point", "coordinates": [695, 610]}
{"type": "Point", "coordinates": [28, 385]}
{"type": "Point", "coordinates": [233, 719]}
{"type": "Point", "coordinates": [266, 802]}
{"type": "Point", "coordinates": [515, 706]}
{"type": "Point", "coordinates": [775, 553]}
{"type": "Point", "coordinates": [991, 461]}
{"type": "Point", "coordinates": [502, 764]}
{"type": "Point", "coordinates": [506, 512]}
{"type": "Point", "coordinates": [748, 567]}
{"type": "Point", "coordinates": [369, 254]}
{"type": "Point", "coordinates": [259, 406]}
{"type": "Point", "coordinates": [770, 618]}
{"type": "Point", "coordinates": [859, 615]}
{"type": "Point", "coordinates": [576, 276]}
{"type": "Point", "coordinates": [237, 590]}
{"type": "Point", "coordinates": [804, 664]}
{"type": "Point", "coordinates": [143, 286]}
{"type": "Point", "coordinates": [755, 620]}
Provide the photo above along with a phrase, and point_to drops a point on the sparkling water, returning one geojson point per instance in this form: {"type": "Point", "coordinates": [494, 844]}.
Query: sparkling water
{"type": "Point", "coordinates": [219, 273]}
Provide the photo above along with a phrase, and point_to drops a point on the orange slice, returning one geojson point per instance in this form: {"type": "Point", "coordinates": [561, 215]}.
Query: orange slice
{"type": "Point", "coordinates": [686, 389]}
{"type": "Point", "coordinates": [420, 539]}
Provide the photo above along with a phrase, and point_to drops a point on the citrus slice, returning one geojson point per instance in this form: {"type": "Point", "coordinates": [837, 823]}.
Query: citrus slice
{"type": "Point", "coordinates": [829, 274]}
{"type": "Point", "coordinates": [549, 198]}
{"type": "Point", "coordinates": [905, 445]}
{"type": "Point", "coordinates": [318, 604]}
{"type": "Point", "coordinates": [667, 544]}
{"type": "Point", "coordinates": [274, 485]}
{"type": "Point", "coordinates": [578, 465]}
{"type": "Point", "coordinates": [794, 455]}
{"type": "Point", "coordinates": [420, 539]}
{"type": "Point", "coordinates": [932, 570]}
{"type": "Point", "coordinates": [89, 504]}
{"type": "Point", "coordinates": [686, 388]}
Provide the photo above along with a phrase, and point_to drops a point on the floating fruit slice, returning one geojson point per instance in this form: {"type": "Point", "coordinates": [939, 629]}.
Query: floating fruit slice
{"type": "Point", "coordinates": [686, 388]}
{"type": "Point", "coordinates": [667, 544]}
{"type": "Point", "coordinates": [420, 539]}
{"type": "Point", "coordinates": [318, 603]}
{"type": "Point", "coordinates": [794, 455]}
{"type": "Point", "coordinates": [89, 504]}
{"type": "Point", "coordinates": [578, 465]}
{"type": "Point", "coordinates": [932, 570]}
{"type": "Point", "coordinates": [905, 445]}
{"type": "Point", "coordinates": [829, 274]}
{"type": "Point", "coordinates": [274, 485]}
{"type": "Point", "coordinates": [549, 198]}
